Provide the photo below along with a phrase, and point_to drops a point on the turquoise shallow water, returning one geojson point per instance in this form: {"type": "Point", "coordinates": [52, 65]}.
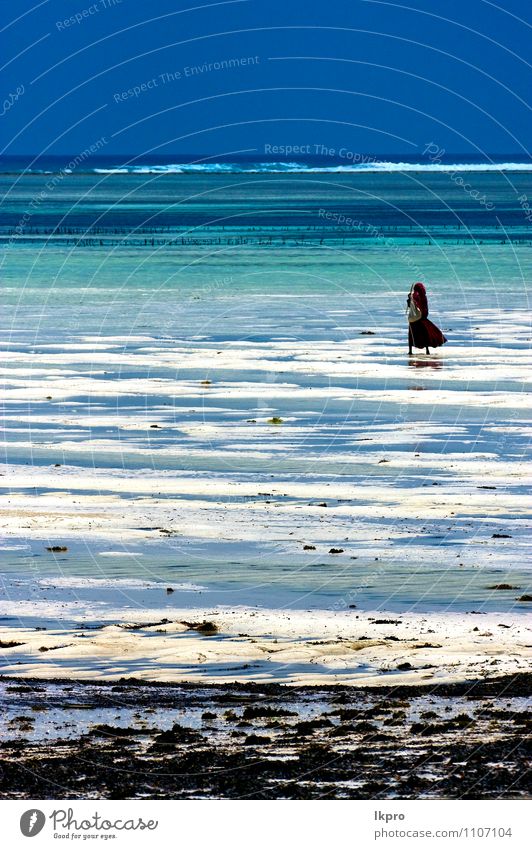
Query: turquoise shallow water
{"type": "Point", "coordinates": [123, 293]}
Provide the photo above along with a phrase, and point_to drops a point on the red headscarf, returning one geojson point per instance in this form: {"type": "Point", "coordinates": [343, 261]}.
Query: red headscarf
{"type": "Point", "coordinates": [419, 294]}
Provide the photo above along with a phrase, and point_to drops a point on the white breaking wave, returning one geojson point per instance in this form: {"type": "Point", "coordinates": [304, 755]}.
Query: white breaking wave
{"type": "Point", "coordinates": [302, 167]}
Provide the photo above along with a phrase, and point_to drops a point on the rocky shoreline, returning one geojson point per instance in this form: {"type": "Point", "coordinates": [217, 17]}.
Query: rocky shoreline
{"type": "Point", "coordinates": [136, 739]}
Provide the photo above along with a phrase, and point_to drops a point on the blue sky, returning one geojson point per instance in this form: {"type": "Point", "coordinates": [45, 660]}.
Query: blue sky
{"type": "Point", "coordinates": [194, 77]}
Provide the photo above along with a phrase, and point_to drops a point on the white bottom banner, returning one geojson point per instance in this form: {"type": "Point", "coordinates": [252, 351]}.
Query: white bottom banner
{"type": "Point", "coordinates": [257, 824]}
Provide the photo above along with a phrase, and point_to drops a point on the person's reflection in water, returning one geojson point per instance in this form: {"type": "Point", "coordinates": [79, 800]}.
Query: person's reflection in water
{"type": "Point", "coordinates": [425, 363]}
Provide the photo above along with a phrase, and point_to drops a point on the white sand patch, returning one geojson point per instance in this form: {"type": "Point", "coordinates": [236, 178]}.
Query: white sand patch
{"type": "Point", "coordinates": [294, 647]}
{"type": "Point", "coordinates": [118, 340]}
{"type": "Point", "coordinates": [89, 483]}
{"type": "Point", "coordinates": [121, 554]}
{"type": "Point", "coordinates": [211, 511]}
{"type": "Point", "coordinates": [114, 583]}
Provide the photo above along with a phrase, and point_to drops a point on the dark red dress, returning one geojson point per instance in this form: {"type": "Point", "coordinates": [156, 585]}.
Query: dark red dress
{"type": "Point", "coordinates": [423, 333]}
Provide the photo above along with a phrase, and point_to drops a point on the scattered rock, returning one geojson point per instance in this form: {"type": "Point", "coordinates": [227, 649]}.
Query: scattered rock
{"type": "Point", "coordinates": [9, 644]}
{"type": "Point", "coordinates": [501, 536]}
{"type": "Point", "coordinates": [138, 626]}
{"type": "Point", "coordinates": [397, 719]}
{"type": "Point", "coordinates": [335, 550]}
{"type": "Point", "coordinates": [175, 736]}
{"type": "Point", "coordinates": [524, 598]}
{"type": "Point", "coordinates": [341, 731]}
{"type": "Point", "coordinates": [308, 726]}
{"type": "Point", "coordinates": [104, 730]}
{"type": "Point", "coordinates": [347, 714]}
{"type": "Point", "coordinates": [208, 629]}
{"type": "Point", "coordinates": [256, 711]}
{"type": "Point", "coordinates": [56, 548]}
{"type": "Point", "coordinates": [309, 548]}
{"type": "Point", "coordinates": [503, 587]}
{"type": "Point", "coordinates": [169, 590]}
{"type": "Point", "coordinates": [463, 720]}
{"type": "Point", "coordinates": [53, 648]}
{"type": "Point", "coordinates": [256, 740]}
{"type": "Point", "coordinates": [365, 727]}
{"type": "Point", "coordinates": [230, 716]}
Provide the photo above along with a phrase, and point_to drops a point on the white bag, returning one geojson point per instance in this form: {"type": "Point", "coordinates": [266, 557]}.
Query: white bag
{"type": "Point", "coordinates": [413, 312]}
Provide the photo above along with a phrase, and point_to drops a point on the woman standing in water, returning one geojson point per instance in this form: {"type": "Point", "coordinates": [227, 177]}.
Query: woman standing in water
{"type": "Point", "coordinates": [422, 333]}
